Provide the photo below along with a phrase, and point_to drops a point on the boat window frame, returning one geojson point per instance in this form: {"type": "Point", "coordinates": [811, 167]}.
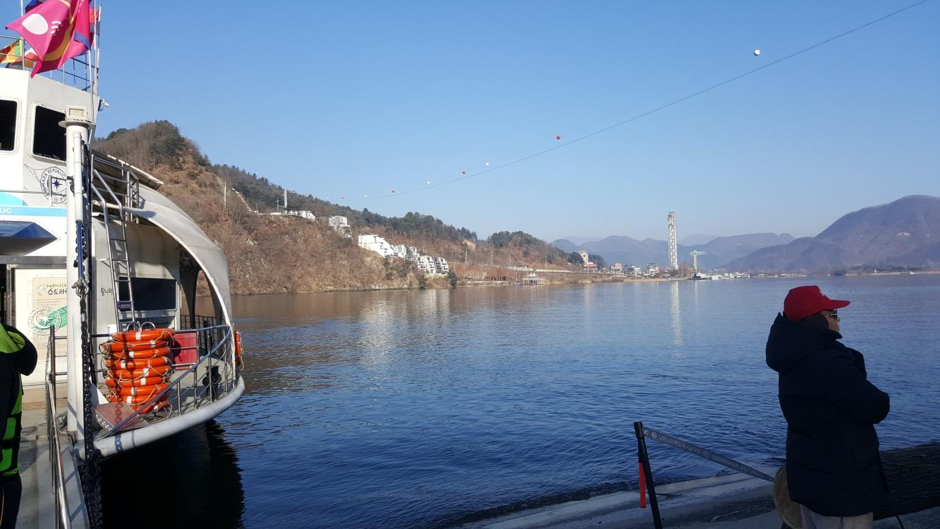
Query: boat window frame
{"type": "Point", "coordinates": [16, 119]}
{"type": "Point", "coordinates": [34, 114]}
{"type": "Point", "coordinates": [142, 294]}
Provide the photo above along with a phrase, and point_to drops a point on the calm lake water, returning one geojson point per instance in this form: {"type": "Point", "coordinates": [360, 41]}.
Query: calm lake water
{"type": "Point", "coordinates": [418, 408]}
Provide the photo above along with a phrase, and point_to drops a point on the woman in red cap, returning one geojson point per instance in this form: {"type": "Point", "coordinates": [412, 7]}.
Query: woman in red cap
{"type": "Point", "coordinates": [833, 461]}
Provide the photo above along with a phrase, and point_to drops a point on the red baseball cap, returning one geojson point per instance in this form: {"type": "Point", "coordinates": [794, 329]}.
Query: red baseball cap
{"type": "Point", "coordinates": [802, 302]}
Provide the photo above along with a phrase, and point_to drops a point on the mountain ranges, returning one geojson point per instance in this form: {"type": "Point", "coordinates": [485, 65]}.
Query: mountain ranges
{"type": "Point", "coordinates": [904, 234]}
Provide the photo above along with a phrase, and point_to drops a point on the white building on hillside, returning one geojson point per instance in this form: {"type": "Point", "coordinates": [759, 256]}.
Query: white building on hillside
{"type": "Point", "coordinates": [440, 265]}
{"type": "Point", "coordinates": [303, 213]}
{"type": "Point", "coordinates": [340, 225]}
{"type": "Point", "coordinates": [376, 244]}
{"type": "Point", "coordinates": [426, 264]}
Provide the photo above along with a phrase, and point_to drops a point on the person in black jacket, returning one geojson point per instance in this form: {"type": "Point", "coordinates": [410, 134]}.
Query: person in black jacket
{"type": "Point", "coordinates": [17, 357]}
{"type": "Point", "coordinates": [833, 460]}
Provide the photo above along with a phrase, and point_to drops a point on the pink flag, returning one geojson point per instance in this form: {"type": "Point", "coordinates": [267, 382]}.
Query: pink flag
{"type": "Point", "coordinates": [57, 31]}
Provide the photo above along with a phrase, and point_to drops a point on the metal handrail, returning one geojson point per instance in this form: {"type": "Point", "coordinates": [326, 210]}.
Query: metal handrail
{"type": "Point", "coordinates": [78, 65]}
{"type": "Point", "coordinates": [226, 340]}
{"type": "Point", "coordinates": [115, 273]}
{"type": "Point", "coordinates": [55, 451]}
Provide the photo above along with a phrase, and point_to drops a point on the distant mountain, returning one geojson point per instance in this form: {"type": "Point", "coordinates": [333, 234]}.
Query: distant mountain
{"type": "Point", "coordinates": [905, 233]}
{"type": "Point", "coordinates": [565, 245]}
{"type": "Point", "coordinates": [720, 250]}
{"type": "Point", "coordinates": [626, 250]}
{"type": "Point", "coordinates": [581, 240]}
{"type": "Point", "coordinates": [698, 238]}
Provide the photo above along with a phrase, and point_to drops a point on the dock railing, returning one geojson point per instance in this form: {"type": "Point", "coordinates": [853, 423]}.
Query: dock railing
{"type": "Point", "coordinates": [646, 473]}
{"type": "Point", "coordinates": [52, 430]}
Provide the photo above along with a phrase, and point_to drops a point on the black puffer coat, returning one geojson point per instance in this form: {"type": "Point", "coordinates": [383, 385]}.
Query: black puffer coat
{"type": "Point", "coordinates": [833, 461]}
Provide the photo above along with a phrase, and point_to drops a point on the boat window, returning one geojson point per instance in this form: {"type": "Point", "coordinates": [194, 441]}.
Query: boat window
{"type": "Point", "coordinates": [152, 294]}
{"type": "Point", "coordinates": [7, 125]}
{"type": "Point", "coordinates": [48, 136]}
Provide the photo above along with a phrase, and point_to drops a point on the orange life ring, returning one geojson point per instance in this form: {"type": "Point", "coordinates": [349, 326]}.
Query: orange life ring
{"type": "Point", "coordinates": [142, 335]}
{"type": "Point", "coordinates": [143, 381]}
{"type": "Point", "coordinates": [136, 403]}
{"type": "Point", "coordinates": [143, 391]}
{"type": "Point", "coordinates": [238, 348]}
{"type": "Point", "coordinates": [156, 361]}
{"type": "Point", "coordinates": [137, 355]}
{"type": "Point", "coordinates": [136, 400]}
{"type": "Point", "coordinates": [156, 406]}
{"type": "Point", "coordinates": [125, 374]}
{"type": "Point", "coordinates": [117, 347]}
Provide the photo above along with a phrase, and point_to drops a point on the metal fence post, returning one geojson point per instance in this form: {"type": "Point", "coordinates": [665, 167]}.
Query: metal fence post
{"type": "Point", "coordinates": [645, 460]}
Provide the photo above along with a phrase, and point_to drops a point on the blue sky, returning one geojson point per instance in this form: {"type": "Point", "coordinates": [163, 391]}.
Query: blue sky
{"type": "Point", "coordinates": [345, 99]}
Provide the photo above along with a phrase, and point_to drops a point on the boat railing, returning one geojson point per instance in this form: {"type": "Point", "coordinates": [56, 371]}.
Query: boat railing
{"type": "Point", "coordinates": [211, 377]}
{"type": "Point", "coordinates": [115, 191]}
{"type": "Point", "coordinates": [78, 72]}
{"type": "Point", "coordinates": [52, 430]}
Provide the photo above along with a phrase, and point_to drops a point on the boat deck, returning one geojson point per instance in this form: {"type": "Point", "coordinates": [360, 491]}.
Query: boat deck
{"type": "Point", "coordinates": [38, 506]}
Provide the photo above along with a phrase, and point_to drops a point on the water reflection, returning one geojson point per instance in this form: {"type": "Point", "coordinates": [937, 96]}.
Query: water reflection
{"type": "Point", "coordinates": [674, 313]}
{"type": "Point", "coordinates": [408, 409]}
{"type": "Point", "coordinates": [191, 479]}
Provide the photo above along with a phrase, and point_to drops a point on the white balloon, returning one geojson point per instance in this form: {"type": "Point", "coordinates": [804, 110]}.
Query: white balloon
{"type": "Point", "coordinates": [756, 53]}
{"type": "Point", "coordinates": [487, 164]}
{"type": "Point", "coordinates": [429, 182]}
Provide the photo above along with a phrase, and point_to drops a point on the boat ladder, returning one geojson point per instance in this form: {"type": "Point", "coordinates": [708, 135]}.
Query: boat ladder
{"type": "Point", "coordinates": [128, 193]}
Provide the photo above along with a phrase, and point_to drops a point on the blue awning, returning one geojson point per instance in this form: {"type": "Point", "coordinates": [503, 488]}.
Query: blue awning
{"type": "Point", "coordinates": [19, 237]}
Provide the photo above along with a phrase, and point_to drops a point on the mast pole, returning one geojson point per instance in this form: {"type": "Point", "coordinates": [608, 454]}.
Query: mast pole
{"type": "Point", "coordinates": [77, 126]}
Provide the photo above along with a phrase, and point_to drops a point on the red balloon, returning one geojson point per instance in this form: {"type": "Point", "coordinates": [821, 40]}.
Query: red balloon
{"type": "Point", "coordinates": [558, 137]}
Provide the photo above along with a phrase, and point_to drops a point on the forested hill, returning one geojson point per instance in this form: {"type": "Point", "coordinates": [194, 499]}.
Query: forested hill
{"type": "Point", "coordinates": [160, 143]}
{"type": "Point", "coordinates": [272, 254]}
{"type": "Point", "coordinates": [263, 195]}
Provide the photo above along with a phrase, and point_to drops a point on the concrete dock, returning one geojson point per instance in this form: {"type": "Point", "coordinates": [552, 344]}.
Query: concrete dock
{"type": "Point", "coordinates": [733, 501]}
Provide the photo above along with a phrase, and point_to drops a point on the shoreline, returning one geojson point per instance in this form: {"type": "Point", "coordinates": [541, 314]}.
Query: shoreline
{"type": "Point", "coordinates": [593, 279]}
{"type": "Point", "coordinates": [461, 286]}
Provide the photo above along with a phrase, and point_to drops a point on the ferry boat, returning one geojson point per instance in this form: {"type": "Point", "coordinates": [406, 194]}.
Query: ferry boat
{"type": "Point", "coordinates": [90, 248]}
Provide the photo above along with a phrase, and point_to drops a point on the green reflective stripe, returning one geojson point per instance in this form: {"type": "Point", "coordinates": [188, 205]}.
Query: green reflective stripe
{"type": "Point", "coordinates": [10, 342]}
{"type": "Point", "coordinates": [18, 407]}
{"type": "Point", "coordinates": [10, 430]}
{"type": "Point", "coordinates": [7, 460]}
